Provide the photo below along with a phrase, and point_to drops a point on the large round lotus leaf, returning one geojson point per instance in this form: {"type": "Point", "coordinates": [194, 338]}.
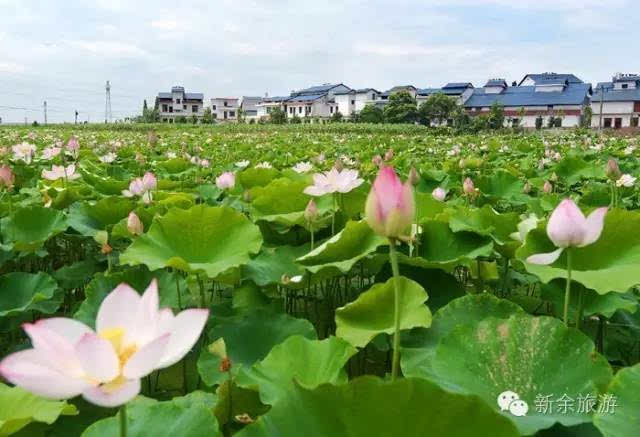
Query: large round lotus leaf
{"type": "Point", "coordinates": [249, 335]}
{"type": "Point", "coordinates": [618, 413]}
{"type": "Point", "coordinates": [502, 185]}
{"type": "Point", "coordinates": [18, 408]}
{"type": "Point", "coordinates": [372, 313]}
{"type": "Point", "coordinates": [282, 201]}
{"type": "Point", "coordinates": [160, 419]}
{"type": "Point", "coordinates": [485, 221]}
{"type": "Point", "coordinates": [343, 250]}
{"type": "Point", "coordinates": [369, 406]}
{"type": "Point", "coordinates": [20, 292]}
{"type": "Point", "coordinates": [28, 228]}
{"type": "Point", "coordinates": [309, 362]}
{"type": "Point", "coordinates": [257, 177]}
{"type": "Point", "coordinates": [201, 239]}
{"type": "Point", "coordinates": [573, 168]}
{"type": "Point", "coordinates": [419, 346]}
{"type": "Point", "coordinates": [534, 357]}
{"type": "Point", "coordinates": [427, 207]}
{"type": "Point", "coordinates": [609, 264]}
{"type": "Point", "coordinates": [139, 278]}
{"type": "Point", "coordinates": [273, 262]}
{"type": "Point", "coordinates": [89, 219]}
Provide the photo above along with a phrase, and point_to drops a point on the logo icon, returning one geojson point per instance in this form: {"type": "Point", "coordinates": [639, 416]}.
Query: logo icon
{"type": "Point", "coordinates": [510, 401]}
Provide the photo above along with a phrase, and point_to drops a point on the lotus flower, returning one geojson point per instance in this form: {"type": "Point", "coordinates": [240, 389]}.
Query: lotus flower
{"type": "Point", "coordinates": [334, 181]}
{"type": "Point", "coordinates": [7, 177]}
{"type": "Point", "coordinates": [439, 194]}
{"type": "Point", "coordinates": [108, 158]}
{"type": "Point", "coordinates": [134, 225]}
{"type": "Point", "coordinates": [568, 227]}
{"type": "Point", "coordinates": [73, 146]}
{"type": "Point", "coordinates": [242, 164]}
{"type": "Point", "coordinates": [626, 180]}
{"type": "Point", "coordinates": [60, 172]}
{"type": "Point", "coordinates": [311, 211]}
{"type": "Point", "coordinates": [50, 152]}
{"type": "Point", "coordinates": [468, 187]}
{"type": "Point", "coordinates": [142, 187]}
{"type": "Point", "coordinates": [24, 152]}
{"type": "Point", "coordinates": [133, 338]}
{"type": "Point", "coordinates": [264, 164]}
{"type": "Point", "coordinates": [390, 208]}
{"type": "Point", "coordinates": [613, 170]}
{"type": "Point", "coordinates": [226, 180]}
{"type": "Point", "coordinates": [547, 187]}
{"type": "Point", "coordinates": [302, 167]}
{"type": "Point", "coordinates": [376, 160]}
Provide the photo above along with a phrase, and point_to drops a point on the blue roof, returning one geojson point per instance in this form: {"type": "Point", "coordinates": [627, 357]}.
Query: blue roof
{"type": "Point", "coordinates": [358, 91]}
{"type": "Point", "coordinates": [305, 98]}
{"type": "Point", "coordinates": [611, 95]}
{"type": "Point", "coordinates": [458, 85]}
{"type": "Point", "coordinates": [570, 78]}
{"type": "Point", "coordinates": [188, 96]}
{"type": "Point", "coordinates": [496, 82]}
{"type": "Point", "coordinates": [320, 89]}
{"type": "Point", "coordinates": [428, 91]}
{"type": "Point", "coordinates": [573, 94]}
{"type": "Point", "coordinates": [274, 99]}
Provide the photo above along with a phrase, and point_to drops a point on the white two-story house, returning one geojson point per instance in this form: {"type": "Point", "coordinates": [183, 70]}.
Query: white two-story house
{"type": "Point", "coordinates": [316, 101]}
{"type": "Point", "coordinates": [179, 103]}
{"type": "Point", "coordinates": [353, 101]}
{"type": "Point", "coordinates": [616, 104]}
{"type": "Point", "coordinates": [225, 108]}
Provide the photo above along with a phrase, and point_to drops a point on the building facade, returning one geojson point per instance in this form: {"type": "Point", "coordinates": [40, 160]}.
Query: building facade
{"type": "Point", "coordinates": [248, 105]}
{"type": "Point", "coordinates": [225, 108]}
{"type": "Point", "coordinates": [178, 103]}
{"type": "Point", "coordinates": [353, 101]}
{"type": "Point", "coordinates": [616, 104]}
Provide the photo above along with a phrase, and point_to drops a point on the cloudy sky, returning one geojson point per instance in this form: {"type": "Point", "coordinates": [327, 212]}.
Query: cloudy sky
{"type": "Point", "coordinates": [63, 51]}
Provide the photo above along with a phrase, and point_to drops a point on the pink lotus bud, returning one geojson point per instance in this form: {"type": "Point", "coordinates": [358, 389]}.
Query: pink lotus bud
{"type": "Point", "coordinates": [72, 144]}
{"type": "Point", "coordinates": [226, 180]}
{"type": "Point", "coordinates": [439, 194]}
{"type": "Point", "coordinates": [149, 181]}
{"type": "Point", "coordinates": [311, 211]}
{"type": "Point", "coordinates": [414, 177]}
{"type": "Point", "coordinates": [7, 177]}
{"type": "Point", "coordinates": [388, 156]}
{"type": "Point", "coordinates": [390, 207]}
{"type": "Point", "coordinates": [547, 187]}
{"type": "Point", "coordinates": [468, 188]}
{"type": "Point", "coordinates": [613, 170]}
{"type": "Point", "coordinates": [377, 160]}
{"type": "Point", "coordinates": [568, 227]}
{"type": "Point", "coordinates": [134, 225]}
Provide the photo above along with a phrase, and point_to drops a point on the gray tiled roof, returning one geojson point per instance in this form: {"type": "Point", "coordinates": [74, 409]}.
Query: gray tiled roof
{"type": "Point", "coordinates": [458, 85]}
{"type": "Point", "coordinates": [305, 98]}
{"type": "Point", "coordinates": [611, 95]}
{"type": "Point", "coordinates": [573, 94]}
{"type": "Point", "coordinates": [570, 78]}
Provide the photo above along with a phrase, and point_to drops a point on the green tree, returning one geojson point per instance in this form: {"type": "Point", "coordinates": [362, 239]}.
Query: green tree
{"type": "Point", "coordinates": [182, 119]}
{"type": "Point", "coordinates": [461, 118]}
{"type": "Point", "coordinates": [194, 119]}
{"type": "Point", "coordinates": [207, 117]}
{"type": "Point", "coordinates": [295, 119]}
{"type": "Point", "coordinates": [371, 114]}
{"type": "Point", "coordinates": [587, 115]}
{"type": "Point", "coordinates": [402, 108]}
{"type": "Point", "coordinates": [539, 122]}
{"type": "Point", "coordinates": [277, 116]}
{"type": "Point", "coordinates": [336, 117]}
{"type": "Point", "coordinates": [437, 108]}
{"type": "Point", "coordinates": [496, 116]}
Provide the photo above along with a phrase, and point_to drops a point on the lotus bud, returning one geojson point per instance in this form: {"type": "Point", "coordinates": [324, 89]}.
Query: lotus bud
{"type": "Point", "coordinates": [553, 177]}
{"type": "Point", "coordinates": [73, 144]}
{"type": "Point", "coordinates": [134, 225]}
{"type": "Point", "coordinates": [439, 194]}
{"type": "Point", "coordinates": [246, 196]}
{"type": "Point", "coordinates": [311, 211]}
{"type": "Point", "coordinates": [338, 165]}
{"type": "Point", "coordinates": [527, 188]}
{"type": "Point", "coordinates": [106, 249]}
{"type": "Point", "coordinates": [468, 187]}
{"type": "Point", "coordinates": [414, 177]}
{"type": "Point", "coordinates": [613, 170]}
{"type": "Point", "coordinates": [377, 160]}
{"type": "Point", "coordinates": [547, 187]}
{"type": "Point", "coordinates": [388, 156]}
{"type": "Point", "coordinates": [149, 181]}
{"type": "Point", "coordinates": [390, 208]}
{"type": "Point", "coordinates": [226, 180]}
{"type": "Point", "coordinates": [7, 177]}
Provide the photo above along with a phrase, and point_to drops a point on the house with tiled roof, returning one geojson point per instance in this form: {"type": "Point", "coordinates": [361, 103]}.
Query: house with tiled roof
{"type": "Point", "coordinates": [268, 104]}
{"type": "Point", "coordinates": [353, 101]}
{"type": "Point", "coordinates": [461, 91]}
{"type": "Point", "coordinates": [248, 105]}
{"type": "Point", "coordinates": [533, 79]}
{"type": "Point", "coordinates": [616, 104]}
{"type": "Point", "coordinates": [315, 101]}
{"type": "Point", "coordinates": [179, 103]}
{"type": "Point", "coordinates": [523, 104]}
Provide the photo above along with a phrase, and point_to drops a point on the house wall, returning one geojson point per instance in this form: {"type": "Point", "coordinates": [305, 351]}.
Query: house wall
{"type": "Point", "coordinates": [613, 110]}
{"type": "Point", "coordinates": [363, 98]}
{"type": "Point", "coordinates": [219, 112]}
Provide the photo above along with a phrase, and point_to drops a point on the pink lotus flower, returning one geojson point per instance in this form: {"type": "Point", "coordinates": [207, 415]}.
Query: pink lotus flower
{"type": "Point", "coordinates": [390, 208]}
{"type": "Point", "coordinates": [334, 181]}
{"type": "Point", "coordinates": [568, 227]}
{"type": "Point", "coordinates": [142, 187]}
{"type": "Point", "coordinates": [133, 338]}
{"type": "Point", "coordinates": [547, 187]}
{"type": "Point", "coordinates": [73, 146]}
{"type": "Point", "coordinates": [439, 194]}
{"type": "Point", "coordinates": [24, 152]}
{"type": "Point", "coordinates": [468, 187]}
{"type": "Point", "coordinates": [50, 152]}
{"type": "Point", "coordinates": [7, 177]}
{"type": "Point", "coordinates": [134, 225]}
{"type": "Point", "coordinates": [60, 172]}
{"type": "Point", "coordinates": [311, 211]}
{"type": "Point", "coordinates": [226, 180]}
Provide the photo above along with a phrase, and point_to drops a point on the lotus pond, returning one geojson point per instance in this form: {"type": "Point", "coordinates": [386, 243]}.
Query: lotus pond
{"type": "Point", "coordinates": [335, 280]}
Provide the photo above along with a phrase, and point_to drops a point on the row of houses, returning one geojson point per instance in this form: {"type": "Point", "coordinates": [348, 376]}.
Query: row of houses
{"type": "Point", "coordinates": [563, 97]}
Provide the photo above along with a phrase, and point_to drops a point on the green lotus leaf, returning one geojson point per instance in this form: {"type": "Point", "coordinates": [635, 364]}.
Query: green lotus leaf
{"type": "Point", "coordinates": [485, 221]}
{"type": "Point", "coordinates": [534, 357]}
{"type": "Point", "coordinates": [372, 313]}
{"type": "Point", "coordinates": [201, 239]}
{"type": "Point", "coordinates": [343, 250]}
{"type": "Point", "coordinates": [234, 401]}
{"type": "Point", "coordinates": [419, 346]}
{"type": "Point", "coordinates": [309, 362]}
{"type": "Point", "coordinates": [609, 264]}
{"type": "Point", "coordinates": [28, 228]}
{"type": "Point", "coordinates": [618, 413]}
{"type": "Point", "coordinates": [249, 335]}
{"type": "Point", "coordinates": [572, 169]}
{"type": "Point", "coordinates": [281, 201]}
{"type": "Point", "coordinates": [88, 219]}
{"type": "Point", "coordinates": [427, 207]}
{"type": "Point", "coordinates": [502, 185]}
{"type": "Point", "coordinates": [18, 408]}
{"type": "Point", "coordinates": [160, 419]}
{"type": "Point", "coordinates": [20, 292]}
{"type": "Point", "coordinates": [273, 262]}
{"type": "Point", "coordinates": [368, 406]}
{"type": "Point", "coordinates": [257, 177]}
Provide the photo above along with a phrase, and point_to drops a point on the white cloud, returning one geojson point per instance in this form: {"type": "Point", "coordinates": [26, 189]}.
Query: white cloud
{"type": "Point", "coordinates": [109, 48]}
{"type": "Point", "coordinates": [9, 67]}
{"type": "Point", "coordinates": [164, 24]}
{"type": "Point", "coordinates": [409, 49]}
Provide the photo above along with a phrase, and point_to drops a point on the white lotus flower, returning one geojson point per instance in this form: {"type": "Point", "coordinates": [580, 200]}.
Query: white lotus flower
{"type": "Point", "coordinates": [334, 181]}
{"type": "Point", "coordinates": [264, 164]}
{"type": "Point", "coordinates": [302, 167]}
{"type": "Point", "coordinates": [50, 152]}
{"type": "Point", "coordinates": [626, 180]}
{"type": "Point", "coordinates": [108, 158]}
{"type": "Point", "coordinates": [60, 172]}
{"type": "Point", "coordinates": [242, 164]}
{"type": "Point", "coordinates": [24, 152]}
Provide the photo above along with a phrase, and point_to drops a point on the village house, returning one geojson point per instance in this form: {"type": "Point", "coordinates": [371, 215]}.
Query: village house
{"type": "Point", "coordinates": [353, 101]}
{"type": "Point", "coordinates": [545, 96]}
{"type": "Point", "coordinates": [460, 91]}
{"type": "Point", "coordinates": [179, 103]}
{"type": "Point", "coordinates": [616, 104]}
{"type": "Point", "coordinates": [267, 104]}
{"type": "Point", "coordinates": [316, 101]}
{"type": "Point", "coordinates": [248, 105]}
{"type": "Point", "coordinates": [224, 108]}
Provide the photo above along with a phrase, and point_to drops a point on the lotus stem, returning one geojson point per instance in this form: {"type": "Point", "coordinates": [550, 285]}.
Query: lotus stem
{"type": "Point", "coordinates": [393, 257]}
{"type": "Point", "coordinates": [567, 293]}
{"type": "Point", "coordinates": [333, 215]}
{"type": "Point", "coordinates": [312, 237]}
{"type": "Point", "coordinates": [580, 315]}
{"type": "Point", "coordinates": [123, 421]}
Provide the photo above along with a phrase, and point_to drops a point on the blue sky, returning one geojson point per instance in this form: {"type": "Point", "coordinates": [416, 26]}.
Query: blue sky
{"type": "Point", "coordinates": [64, 51]}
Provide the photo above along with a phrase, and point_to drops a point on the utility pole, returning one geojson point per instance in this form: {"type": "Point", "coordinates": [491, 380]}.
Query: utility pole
{"type": "Point", "coordinates": [45, 112]}
{"type": "Point", "coordinates": [107, 104]}
{"type": "Point", "coordinates": [76, 122]}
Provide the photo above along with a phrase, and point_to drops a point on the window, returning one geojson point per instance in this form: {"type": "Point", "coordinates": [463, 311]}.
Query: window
{"type": "Point", "coordinates": [171, 120]}
{"type": "Point", "coordinates": [194, 108]}
{"type": "Point", "coordinates": [164, 120]}
{"type": "Point", "coordinates": [373, 96]}
{"type": "Point", "coordinates": [178, 101]}
{"type": "Point", "coordinates": [634, 122]}
{"type": "Point", "coordinates": [353, 102]}
{"type": "Point", "coordinates": [618, 123]}
{"type": "Point", "coordinates": [550, 107]}
{"type": "Point", "coordinates": [331, 109]}
{"type": "Point", "coordinates": [226, 103]}
{"type": "Point", "coordinates": [268, 109]}
{"type": "Point", "coordinates": [232, 114]}
{"type": "Point", "coordinates": [164, 108]}
{"type": "Point", "coordinates": [558, 122]}
{"type": "Point", "coordinates": [291, 109]}
{"type": "Point", "coordinates": [300, 110]}
{"type": "Point", "coordinates": [625, 86]}
{"type": "Point", "coordinates": [170, 108]}
{"type": "Point", "coordinates": [184, 106]}
{"type": "Point", "coordinates": [213, 107]}
{"type": "Point", "coordinates": [225, 115]}
{"type": "Point", "coordinates": [607, 122]}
